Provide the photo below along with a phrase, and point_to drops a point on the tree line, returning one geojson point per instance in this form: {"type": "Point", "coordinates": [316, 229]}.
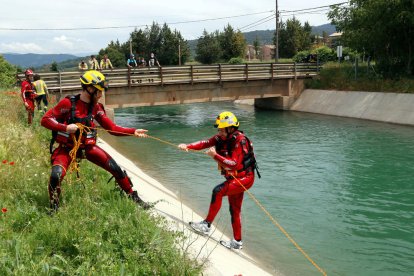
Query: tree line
{"type": "Point", "coordinates": [382, 29]}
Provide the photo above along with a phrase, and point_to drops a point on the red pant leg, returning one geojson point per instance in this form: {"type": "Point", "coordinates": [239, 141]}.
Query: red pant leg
{"type": "Point", "coordinates": [235, 205]}
{"type": "Point", "coordinates": [101, 158]}
{"type": "Point", "coordinates": [229, 188]}
{"type": "Point", "coordinates": [60, 162]}
{"type": "Point", "coordinates": [30, 110]}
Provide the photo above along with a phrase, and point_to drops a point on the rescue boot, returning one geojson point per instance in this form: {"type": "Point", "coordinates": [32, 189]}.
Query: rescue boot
{"type": "Point", "coordinates": [202, 227]}
{"type": "Point", "coordinates": [232, 244]}
{"type": "Point", "coordinates": [135, 197]}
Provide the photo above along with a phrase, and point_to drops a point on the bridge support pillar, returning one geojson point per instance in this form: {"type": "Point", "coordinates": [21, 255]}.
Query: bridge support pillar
{"type": "Point", "coordinates": [291, 92]}
{"type": "Point", "coordinates": [277, 103]}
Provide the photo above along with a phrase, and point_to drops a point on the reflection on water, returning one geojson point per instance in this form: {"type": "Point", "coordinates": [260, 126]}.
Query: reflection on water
{"type": "Point", "coordinates": [342, 188]}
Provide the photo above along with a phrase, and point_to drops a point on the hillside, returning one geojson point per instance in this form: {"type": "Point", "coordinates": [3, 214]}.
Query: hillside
{"type": "Point", "coordinates": [35, 60]}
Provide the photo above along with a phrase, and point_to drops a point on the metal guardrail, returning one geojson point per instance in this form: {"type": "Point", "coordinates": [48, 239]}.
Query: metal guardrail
{"type": "Point", "coordinates": [64, 81]}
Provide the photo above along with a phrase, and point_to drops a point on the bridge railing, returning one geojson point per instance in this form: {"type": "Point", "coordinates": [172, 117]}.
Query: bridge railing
{"type": "Point", "coordinates": [64, 81]}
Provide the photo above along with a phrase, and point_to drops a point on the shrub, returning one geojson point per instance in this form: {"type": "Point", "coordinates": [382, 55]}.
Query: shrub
{"type": "Point", "coordinates": [236, 60]}
{"type": "Point", "coordinates": [7, 73]}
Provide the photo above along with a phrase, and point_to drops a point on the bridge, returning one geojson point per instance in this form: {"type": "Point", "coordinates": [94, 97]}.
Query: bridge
{"type": "Point", "coordinates": [272, 85]}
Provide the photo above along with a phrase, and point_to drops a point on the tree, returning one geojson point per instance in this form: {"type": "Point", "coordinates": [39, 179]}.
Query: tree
{"type": "Point", "coordinates": [232, 43]}
{"type": "Point", "coordinates": [54, 67]}
{"type": "Point", "coordinates": [7, 73]}
{"type": "Point", "coordinates": [382, 28]}
{"type": "Point", "coordinates": [168, 52]}
{"type": "Point", "coordinates": [293, 37]}
{"type": "Point", "coordinates": [208, 48]}
{"type": "Point", "coordinates": [115, 53]}
{"type": "Point", "coordinates": [256, 46]}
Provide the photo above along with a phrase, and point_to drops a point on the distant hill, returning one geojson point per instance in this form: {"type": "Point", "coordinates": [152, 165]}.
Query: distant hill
{"type": "Point", "coordinates": [328, 28]}
{"type": "Point", "coordinates": [36, 60]}
{"type": "Point", "coordinates": [266, 36]}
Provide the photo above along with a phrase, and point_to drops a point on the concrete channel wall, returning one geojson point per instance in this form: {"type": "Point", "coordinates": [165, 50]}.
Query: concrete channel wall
{"type": "Point", "coordinates": [395, 108]}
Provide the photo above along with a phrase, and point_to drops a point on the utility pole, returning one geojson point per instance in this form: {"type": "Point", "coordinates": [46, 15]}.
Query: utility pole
{"type": "Point", "coordinates": [130, 47]}
{"type": "Point", "coordinates": [179, 54]}
{"type": "Point", "coordinates": [277, 35]}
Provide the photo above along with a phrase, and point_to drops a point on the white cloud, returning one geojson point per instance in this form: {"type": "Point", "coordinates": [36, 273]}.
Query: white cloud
{"type": "Point", "coordinates": [64, 41]}
{"type": "Point", "coordinates": [19, 47]}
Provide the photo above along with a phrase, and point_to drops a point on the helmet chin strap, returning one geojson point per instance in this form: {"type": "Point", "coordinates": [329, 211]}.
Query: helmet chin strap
{"type": "Point", "coordinates": [228, 131]}
{"type": "Point", "coordinates": [91, 94]}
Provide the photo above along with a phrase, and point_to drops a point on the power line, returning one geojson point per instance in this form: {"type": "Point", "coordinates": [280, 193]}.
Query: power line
{"type": "Point", "coordinates": [272, 16]}
{"type": "Point", "coordinates": [314, 10]}
{"type": "Point", "coordinates": [259, 23]}
{"type": "Point", "coordinates": [307, 9]}
{"type": "Point", "coordinates": [254, 24]}
{"type": "Point", "coordinates": [129, 26]}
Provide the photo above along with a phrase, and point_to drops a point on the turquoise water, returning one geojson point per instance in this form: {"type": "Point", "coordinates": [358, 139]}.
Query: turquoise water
{"type": "Point", "coordinates": [342, 188]}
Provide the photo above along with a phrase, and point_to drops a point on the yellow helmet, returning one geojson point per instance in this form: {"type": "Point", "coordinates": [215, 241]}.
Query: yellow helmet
{"type": "Point", "coordinates": [95, 78]}
{"type": "Point", "coordinates": [226, 119]}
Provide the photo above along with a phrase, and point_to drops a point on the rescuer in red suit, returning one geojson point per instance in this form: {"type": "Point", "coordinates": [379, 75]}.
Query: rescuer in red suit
{"type": "Point", "coordinates": [28, 94]}
{"type": "Point", "coordinates": [233, 152]}
{"type": "Point", "coordinates": [84, 109]}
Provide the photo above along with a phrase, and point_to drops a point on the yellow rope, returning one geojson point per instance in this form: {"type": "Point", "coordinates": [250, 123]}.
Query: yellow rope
{"type": "Point", "coordinates": [74, 166]}
{"type": "Point", "coordinates": [280, 227]}
{"type": "Point", "coordinates": [255, 200]}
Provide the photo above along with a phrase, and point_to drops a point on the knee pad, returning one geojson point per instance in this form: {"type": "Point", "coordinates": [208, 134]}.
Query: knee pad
{"type": "Point", "coordinates": [217, 189]}
{"type": "Point", "coordinates": [116, 170]}
{"type": "Point", "coordinates": [55, 176]}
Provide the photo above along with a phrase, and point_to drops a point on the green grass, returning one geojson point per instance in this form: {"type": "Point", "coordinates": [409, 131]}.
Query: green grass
{"type": "Point", "coordinates": [336, 76]}
{"type": "Point", "coordinates": [97, 231]}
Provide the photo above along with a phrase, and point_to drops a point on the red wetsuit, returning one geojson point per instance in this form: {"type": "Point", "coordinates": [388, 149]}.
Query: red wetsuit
{"type": "Point", "coordinates": [230, 155]}
{"type": "Point", "coordinates": [57, 119]}
{"type": "Point", "coordinates": [28, 95]}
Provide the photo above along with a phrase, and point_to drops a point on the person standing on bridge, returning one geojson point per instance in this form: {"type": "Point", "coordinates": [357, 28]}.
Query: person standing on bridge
{"type": "Point", "coordinates": [71, 120]}
{"type": "Point", "coordinates": [131, 62]}
{"type": "Point", "coordinates": [233, 152]}
{"type": "Point", "coordinates": [152, 61]}
{"type": "Point", "coordinates": [106, 63]}
{"type": "Point", "coordinates": [83, 66]}
{"type": "Point", "coordinates": [28, 94]}
{"type": "Point", "coordinates": [94, 64]}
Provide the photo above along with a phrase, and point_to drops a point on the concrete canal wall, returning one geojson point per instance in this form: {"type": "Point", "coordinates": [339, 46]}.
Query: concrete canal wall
{"type": "Point", "coordinates": [395, 108]}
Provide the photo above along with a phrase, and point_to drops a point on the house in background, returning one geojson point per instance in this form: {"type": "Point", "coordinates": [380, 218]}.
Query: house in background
{"type": "Point", "coordinates": [335, 39]}
{"type": "Point", "coordinates": [264, 53]}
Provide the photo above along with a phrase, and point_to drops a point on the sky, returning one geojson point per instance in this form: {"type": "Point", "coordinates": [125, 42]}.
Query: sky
{"type": "Point", "coordinates": [114, 20]}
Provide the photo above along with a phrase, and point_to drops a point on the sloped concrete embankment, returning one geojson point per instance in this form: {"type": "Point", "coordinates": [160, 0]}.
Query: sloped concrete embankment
{"type": "Point", "coordinates": [377, 106]}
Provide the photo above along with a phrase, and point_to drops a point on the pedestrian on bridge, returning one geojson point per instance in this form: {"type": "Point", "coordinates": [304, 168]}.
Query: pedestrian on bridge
{"type": "Point", "coordinates": [106, 63]}
{"type": "Point", "coordinates": [131, 62]}
{"type": "Point", "coordinates": [73, 119]}
{"type": "Point", "coordinates": [233, 152]}
{"type": "Point", "coordinates": [83, 66]}
{"type": "Point", "coordinates": [153, 61]}
{"type": "Point", "coordinates": [93, 63]}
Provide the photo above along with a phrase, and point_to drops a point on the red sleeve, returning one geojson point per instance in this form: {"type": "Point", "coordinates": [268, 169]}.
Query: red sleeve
{"type": "Point", "coordinates": [109, 125]}
{"type": "Point", "coordinates": [203, 144]}
{"type": "Point", "coordinates": [59, 113]}
{"type": "Point", "coordinates": [235, 160]}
